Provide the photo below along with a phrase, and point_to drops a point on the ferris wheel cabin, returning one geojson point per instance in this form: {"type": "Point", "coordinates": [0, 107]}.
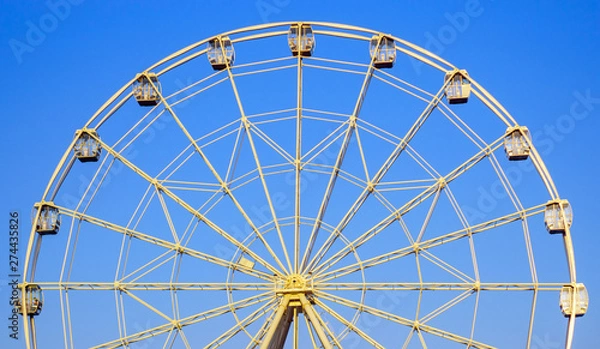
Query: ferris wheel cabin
{"type": "Point", "coordinates": [48, 222]}
{"type": "Point", "coordinates": [574, 300]}
{"type": "Point", "coordinates": [143, 91]}
{"type": "Point", "coordinates": [383, 51]}
{"type": "Point", "coordinates": [301, 39]}
{"type": "Point", "coordinates": [220, 53]}
{"type": "Point", "coordinates": [516, 143]}
{"type": "Point", "coordinates": [558, 216]}
{"type": "Point", "coordinates": [33, 301]}
{"type": "Point", "coordinates": [87, 148]}
{"type": "Point", "coordinates": [458, 86]}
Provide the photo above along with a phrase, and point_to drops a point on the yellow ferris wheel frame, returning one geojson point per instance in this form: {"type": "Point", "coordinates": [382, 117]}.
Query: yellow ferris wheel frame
{"type": "Point", "coordinates": [297, 293]}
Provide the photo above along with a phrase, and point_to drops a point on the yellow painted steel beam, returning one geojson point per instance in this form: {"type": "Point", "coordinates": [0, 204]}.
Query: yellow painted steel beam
{"type": "Point", "coordinates": [224, 185]}
{"type": "Point", "coordinates": [381, 172]}
{"type": "Point", "coordinates": [403, 321]}
{"type": "Point", "coordinates": [428, 244]}
{"type": "Point", "coordinates": [246, 125]}
{"type": "Point", "coordinates": [306, 264]}
{"type": "Point", "coordinates": [190, 320]}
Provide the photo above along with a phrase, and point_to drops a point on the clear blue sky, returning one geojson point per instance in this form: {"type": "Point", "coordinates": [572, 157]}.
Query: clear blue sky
{"type": "Point", "coordinates": [536, 58]}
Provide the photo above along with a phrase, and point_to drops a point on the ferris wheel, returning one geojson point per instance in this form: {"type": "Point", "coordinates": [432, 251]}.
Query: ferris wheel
{"type": "Point", "coordinates": [253, 190]}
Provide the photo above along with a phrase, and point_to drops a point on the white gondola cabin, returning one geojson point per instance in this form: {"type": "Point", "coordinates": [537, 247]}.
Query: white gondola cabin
{"type": "Point", "coordinates": [33, 301]}
{"type": "Point", "coordinates": [516, 143]}
{"type": "Point", "coordinates": [143, 91]}
{"type": "Point", "coordinates": [383, 51]}
{"type": "Point", "coordinates": [458, 86]}
{"type": "Point", "coordinates": [48, 222]}
{"type": "Point", "coordinates": [574, 300]}
{"type": "Point", "coordinates": [87, 148]}
{"type": "Point", "coordinates": [558, 216]}
{"type": "Point", "coordinates": [301, 39]}
{"type": "Point", "coordinates": [220, 53]}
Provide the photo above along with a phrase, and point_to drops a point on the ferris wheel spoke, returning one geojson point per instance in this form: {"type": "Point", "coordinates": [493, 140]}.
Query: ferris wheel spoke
{"type": "Point", "coordinates": [166, 244]}
{"type": "Point", "coordinates": [412, 203]}
{"type": "Point", "coordinates": [431, 243]}
{"type": "Point", "coordinates": [190, 320]}
{"type": "Point", "coordinates": [241, 325]}
{"type": "Point", "coordinates": [191, 210]}
{"type": "Point", "coordinates": [440, 286]}
{"type": "Point", "coordinates": [351, 127]}
{"type": "Point", "coordinates": [154, 286]}
{"type": "Point", "coordinates": [349, 324]}
{"type": "Point", "coordinates": [246, 124]}
{"type": "Point", "coordinates": [403, 321]}
{"type": "Point", "coordinates": [297, 173]}
{"type": "Point", "coordinates": [224, 185]}
{"type": "Point", "coordinates": [378, 177]}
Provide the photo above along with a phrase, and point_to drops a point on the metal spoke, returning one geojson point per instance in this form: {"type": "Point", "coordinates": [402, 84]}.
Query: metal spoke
{"type": "Point", "coordinates": [338, 162]}
{"type": "Point", "coordinates": [439, 286]}
{"type": "Point", "coordinates": [241, 325]}
{"type": "Point", "coordinates": [403, 321]}
{"type": "Point", "coordinates": [224, 185]}
{"type": "Point", "coordinates": [163, 243]}
{"type": "Point", "coordinates": [154, 286]}
{"type": "Point", "coordinates": [428, 244]}
{"type": "Point", "coordinates": [186, 206]}
{"type": "Point", "coordinates": [381, 172]}
{"type": "Point", "coordinates": [350, 325]}
{"type": "Point", "coordinates": [247, 126]}
{"type": "Point", "coordinates": [417, 200]}
{"type": "Point", "coordinates": [190, 320]}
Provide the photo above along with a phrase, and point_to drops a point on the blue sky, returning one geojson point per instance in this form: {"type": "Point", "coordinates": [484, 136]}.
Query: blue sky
{"type": "Point", "coordinates": [537, 59]}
